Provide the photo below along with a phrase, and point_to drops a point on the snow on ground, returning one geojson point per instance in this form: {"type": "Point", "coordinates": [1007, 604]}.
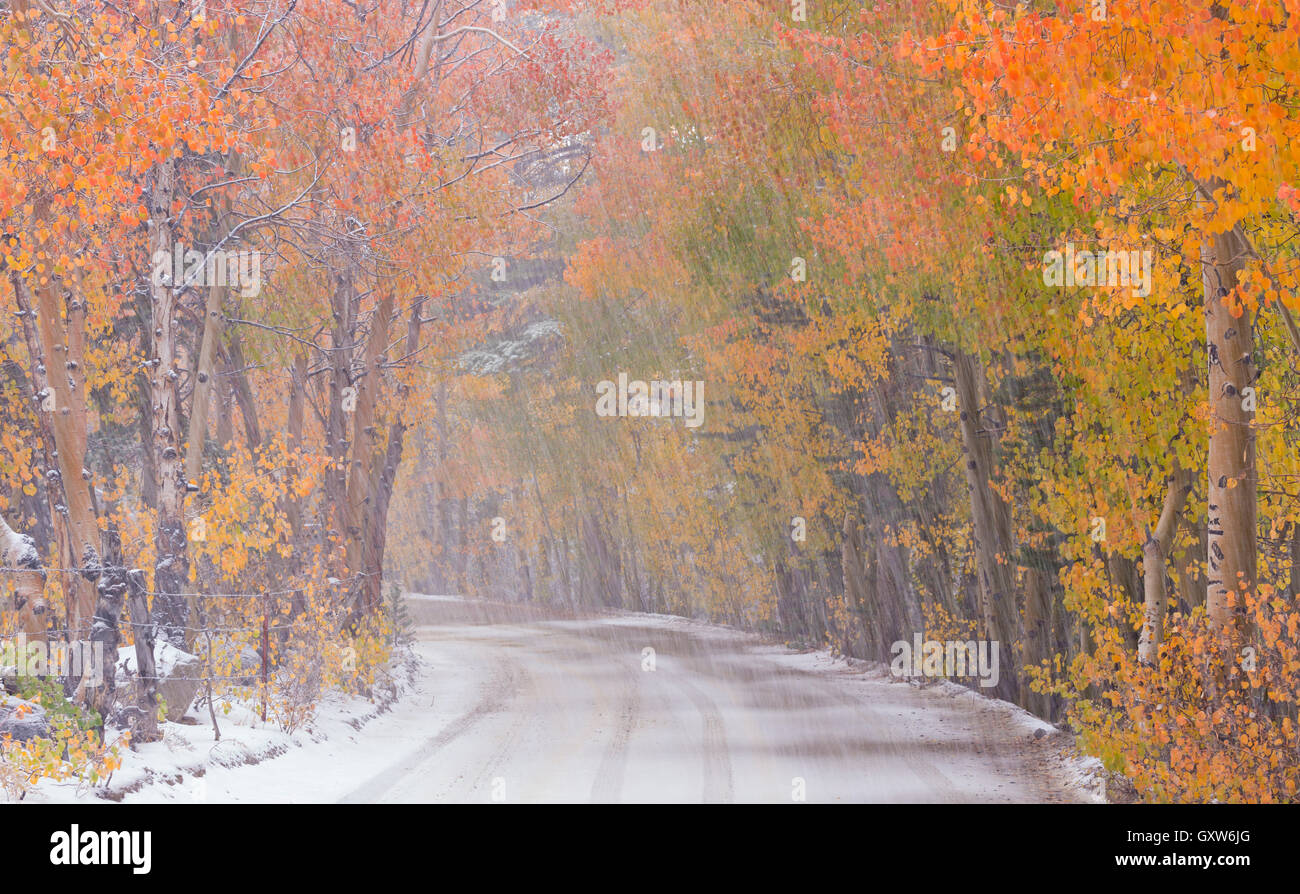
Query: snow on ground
{"type": "Point", "coordinates": [255, 762]}
{"type": "Point", "coordinates": [516, 703]}
{"type": "Point", "coordinates": [1077, 772]}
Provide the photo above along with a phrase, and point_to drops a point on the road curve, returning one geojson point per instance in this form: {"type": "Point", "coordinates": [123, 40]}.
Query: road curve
{"type": "Point", "coordinates": [579, 710]}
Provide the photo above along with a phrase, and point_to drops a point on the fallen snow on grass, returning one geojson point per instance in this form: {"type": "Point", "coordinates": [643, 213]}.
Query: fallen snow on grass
{"type": "Point", "coordinates": [256, 762]}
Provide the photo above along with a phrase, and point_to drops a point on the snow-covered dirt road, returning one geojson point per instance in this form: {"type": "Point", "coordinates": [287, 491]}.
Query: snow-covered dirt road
{"type": "Point", "coordinates": [520, 707]}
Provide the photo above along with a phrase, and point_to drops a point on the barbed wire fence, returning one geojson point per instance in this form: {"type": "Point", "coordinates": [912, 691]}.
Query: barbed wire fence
{"type": "Point", "coordinates": [266, 628]}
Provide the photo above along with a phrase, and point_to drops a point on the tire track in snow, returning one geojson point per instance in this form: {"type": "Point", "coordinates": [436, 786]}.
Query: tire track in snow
{"type": "Point", "coordinates": [508, 745]}
{"type": "Point", "coordinates": [608, 784]}
{"type": "Point", "coordinates": [500, 690]}
{"type": "Point", "coordinates": [718, 784]}
{"type": "Point", "coordinates": [744, 666]}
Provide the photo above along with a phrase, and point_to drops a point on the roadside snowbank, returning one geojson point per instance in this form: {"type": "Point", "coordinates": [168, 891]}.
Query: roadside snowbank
{"type": "Point", "coordinates": [329, 755]}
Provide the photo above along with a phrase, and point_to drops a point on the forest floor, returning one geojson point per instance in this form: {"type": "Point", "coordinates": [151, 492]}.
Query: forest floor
{"type": "Point", "coordinates": [512, 703]}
